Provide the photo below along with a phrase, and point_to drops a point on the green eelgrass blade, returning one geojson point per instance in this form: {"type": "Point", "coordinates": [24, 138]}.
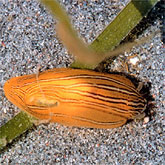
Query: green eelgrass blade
{"type": "Point", "coordinates": [15, 127]}
{"type": "Point", "coordinates": [128, 18]}
{"type": "Point", "coordinates": [120, 27]}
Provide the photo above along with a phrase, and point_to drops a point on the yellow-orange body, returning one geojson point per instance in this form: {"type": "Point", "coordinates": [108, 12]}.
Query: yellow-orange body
{"type": "Point", "coordinates": [77, 97]}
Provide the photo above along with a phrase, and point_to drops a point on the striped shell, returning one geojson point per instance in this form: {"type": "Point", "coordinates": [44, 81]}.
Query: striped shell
{"type": "Point", "coordinates": [77, 97]}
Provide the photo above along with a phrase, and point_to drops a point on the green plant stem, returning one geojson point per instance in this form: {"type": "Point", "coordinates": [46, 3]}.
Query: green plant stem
{"type": "Point", "coordinates": [120, 27]}
{"type": "Point", "coordinates": [15, 127]}
{"type": "Point", "coordinates": [106, 41]}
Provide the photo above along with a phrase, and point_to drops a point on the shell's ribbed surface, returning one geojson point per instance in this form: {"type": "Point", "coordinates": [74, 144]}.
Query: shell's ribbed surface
{"type": "Point", "coordinates": [77, 97]}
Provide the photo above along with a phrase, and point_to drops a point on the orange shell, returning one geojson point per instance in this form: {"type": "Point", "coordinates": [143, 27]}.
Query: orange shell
{"type": "Point", "coordinates": [77, 97]}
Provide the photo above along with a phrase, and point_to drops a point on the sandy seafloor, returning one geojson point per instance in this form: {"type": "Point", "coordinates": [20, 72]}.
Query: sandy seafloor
{"type": "Point", "coordinates": [28, 40]}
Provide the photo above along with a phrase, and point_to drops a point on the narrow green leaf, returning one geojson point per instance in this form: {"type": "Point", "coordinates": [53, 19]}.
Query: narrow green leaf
{"type": "Point", "coordinates": [120, 27]}
{"type": "Point", "coordinates": [106, 41]}
{"type": "Point", "coordinates": [15, 127]}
